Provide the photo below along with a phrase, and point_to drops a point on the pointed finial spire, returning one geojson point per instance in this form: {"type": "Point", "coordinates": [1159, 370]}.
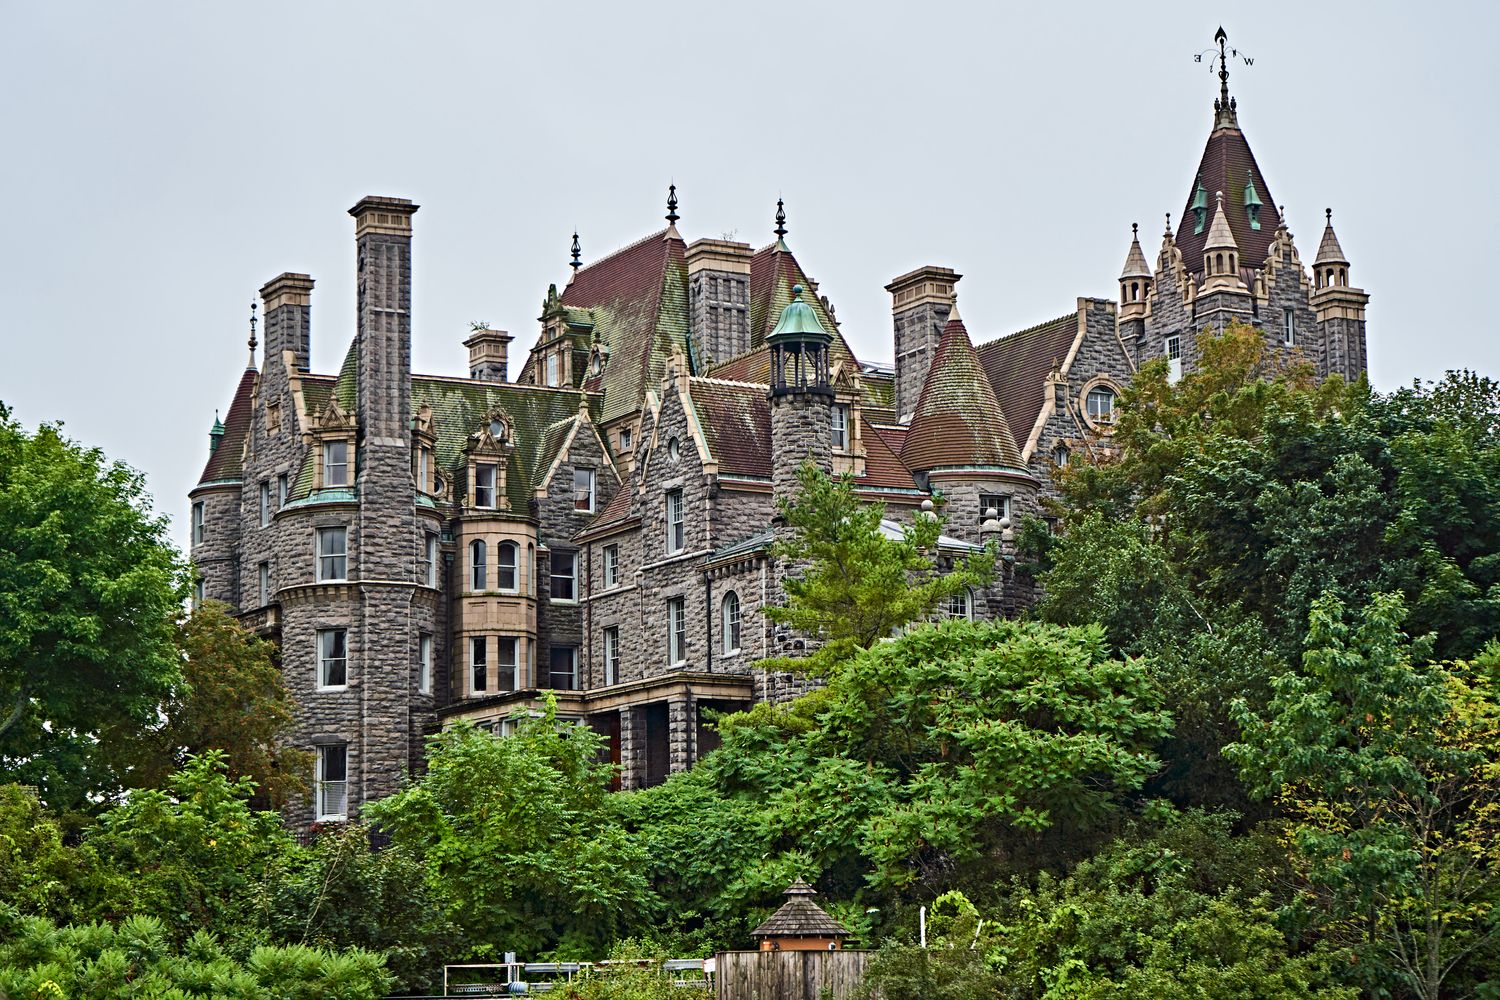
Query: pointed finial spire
{"type": "Point", "coordinates": [253, 341]}
{"type": "Point", "coordinates": [780, 229]}
{"type": "Point", "coordinates": [672, 215]}
{"type": "Point", "coordinates": [1222, 38]}
{"type": "Point", "coordinates": [1328, 215]}
{"type": "Point", "coordinates": [577, 260]}
{"type": "Point", "coordinates": [1135, 231]}
{"type": "Point", "coordinates": [1168, 231]}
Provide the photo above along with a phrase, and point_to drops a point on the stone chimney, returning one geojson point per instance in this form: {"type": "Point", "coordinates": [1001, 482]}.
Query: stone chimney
{"type": "Point", "coordinates": [920, 303]}
{"type": "Point", "coordinates": [288, 304]}
{"type": "Point", "coordinates": [719, 297]}
{"type": "Point", "coordinates": [489, 355]}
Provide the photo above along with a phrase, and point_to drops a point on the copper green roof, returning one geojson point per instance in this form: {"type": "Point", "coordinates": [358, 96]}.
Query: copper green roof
{"type": "Point", "coordinates": [799, 322]}
{"type": "Point", "coordinates": [958, 420]}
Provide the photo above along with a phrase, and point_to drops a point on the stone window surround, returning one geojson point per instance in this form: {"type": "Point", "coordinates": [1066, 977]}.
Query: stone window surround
{"type": "Point", "coordinates": [1097, 382]}
{"type": "Point", "coordinates": [200, 526]}
{"type": "Point", "coordinates": [677, 653]}
{"type": "Point", "coordinates": [337, 789]}
{"type": "Point", "coordinates": [329, 629]}
{"type": "Point", "coordinates": [424, 662]}
{"type": "Point", "coordinates": [494, 535]}
{"type": "Point", "coordinates": [731, 623]}
{"type": "Point", "coordinates": [350, 467]}
{"type": "Point", "coordinates": [319, 555]}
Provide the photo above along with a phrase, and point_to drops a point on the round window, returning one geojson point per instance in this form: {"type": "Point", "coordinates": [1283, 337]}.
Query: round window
{"type": "Point", "coordinates": [497, 429]}
{"type": "Point", "coordinates": [674, 452]}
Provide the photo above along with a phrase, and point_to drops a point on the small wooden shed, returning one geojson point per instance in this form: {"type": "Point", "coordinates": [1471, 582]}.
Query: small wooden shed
{"type": "Point", "coordinates": [800, 924]}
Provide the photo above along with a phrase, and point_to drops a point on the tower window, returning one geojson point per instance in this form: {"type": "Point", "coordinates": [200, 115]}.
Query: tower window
{"type": "Point", "coordinates": [333, 658]}
{"type": "Point", "coordinates": [265, 502]}
{"type": "Point", "coordinates": [960, 605]}
{"type": "Point", "coordinates": [333, 554]}
{"type": "Point", "coordinates": [998, 502]}
{"type": "Point", "coordinates": [505, 566]}
{"type": "Point", "coordinates": [263, 583]}
{"type": "Point", "coordinates": [479, 664]}
{"type": "Point", "coordinates": [424, 663]}
{"type": "Point", "coordinates": [332, 781]}
{"type": "Point", "coordinates": [839, 418]}
{"type": "Point", "coordinates": [507, 667]}
{"type": "Point", "coordinates": [283, 490]}
{"type": "Point", "coordinates": [731, 615]}
{"type": "Point", "coordinates": [198, 522]}
{"type": "Point", "coordinates": [432, 559]}
{"type": "Point", "coordinates": [478, 566]}
{"type": "Point", "coordinates": [1288, 327]}
{"type": "Point", "coordinates": [335, 463]}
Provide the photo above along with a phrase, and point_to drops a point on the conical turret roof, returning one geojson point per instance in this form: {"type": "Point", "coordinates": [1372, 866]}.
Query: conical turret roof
{"type": "Point", "coordinates": [1135, 260]}
{"type": "Point", "coordinates": [1329, 251]}
{"type": "Point", "coordinates": [1220, 236]}
{"type": "Point", "coordinates": [958, 420]}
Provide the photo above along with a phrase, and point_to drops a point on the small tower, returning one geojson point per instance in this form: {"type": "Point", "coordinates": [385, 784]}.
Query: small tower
{"type": "Point", "coordinates": [1340, 307]}
{"type": "Point", "coordinates": [489, 354]}
{"type": "Point", "coordinates": [800, 924]}
{"type": "Point", "coordinates": [801, 395]}
{"type": "Point", "coordinates": [1221, 254]}
{"type": "Point", "coordinates": [215, 434]}
{"type": "Point", "coordinates": [1135, 279]}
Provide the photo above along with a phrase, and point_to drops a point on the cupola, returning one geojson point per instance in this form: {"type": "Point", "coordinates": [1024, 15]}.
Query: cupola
{"type": "Point", "coordinates": [1135, 278]}
{"type": "Point", "coordinates": [799, 350]}
{"type": "Point", "coordinates": [1221, 254]}
{"type": "Point", "coordinates": [1331, 268]}
{"type": "Point", "coordinates": [800, 924]}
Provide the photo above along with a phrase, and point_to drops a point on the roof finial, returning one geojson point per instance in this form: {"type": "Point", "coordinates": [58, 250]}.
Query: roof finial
{"type": "Point", "coordinates": [1328, 214]}
{"type": "Point", "coordinates": [780, 229]}
{"type": "Point", "coordinates": [1168, 231]}
{"type": "Point", "coordinates": [672, 215]}
{"type": "Point", "coordinates": [1135, 230]}
{"type": "Point", "coordinates": [577, 261]}
{"type": "Point", "coordinates": [253, 341]}
{"type": "Point", "coordinates": [1222, 37]}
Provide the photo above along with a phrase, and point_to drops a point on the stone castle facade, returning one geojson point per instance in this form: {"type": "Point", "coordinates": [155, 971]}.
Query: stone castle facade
{"type": "Point", "coordinates": [598, 527]}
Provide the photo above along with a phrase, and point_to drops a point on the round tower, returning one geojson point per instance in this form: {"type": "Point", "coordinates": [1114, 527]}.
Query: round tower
{"type": "Point", "coordinates": [801, 395]}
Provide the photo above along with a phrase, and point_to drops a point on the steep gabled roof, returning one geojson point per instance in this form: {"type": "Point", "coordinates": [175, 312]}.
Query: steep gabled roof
{"type": "Point", "coordinates": [958, 420]}
{"type": "Point", "coordinates": [774, 271]}
{"type": "Point", "coordinates": [1227, 166]}
{"type": "Point", "coordinates": [1017, 367]}
{"type": "Point", "coordinates": [637, 299]}
{"type": "Point", "coordinates": [736, 422]}
{"type": "Point", "coordinates": [226, 461]}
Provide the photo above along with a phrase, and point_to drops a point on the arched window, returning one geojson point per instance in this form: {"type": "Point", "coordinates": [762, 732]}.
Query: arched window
{"type": "Point", "coordinates": [731, 618]}
{"type": "Point", "coordinates": [960, 605]}
{"type": "Point", "coordinates": [1060, 454]}
{"type": "Point", "coordinates": [1100, 404]}
{"type": "Point", "coordinates": [1343, 277]}
{"type": "Point", "coordinates": [478, 574]}
{"type": "Point", "coordinates": [505, 566]}
{"type": "Point", "coordinates": [1232, 267]}
{"type": "Point", "coordinates": [1218, 263]}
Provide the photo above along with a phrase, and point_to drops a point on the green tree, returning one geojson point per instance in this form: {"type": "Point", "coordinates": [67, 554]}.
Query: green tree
{"type": "Point", "coordinates": [855, 584]}
{"type": "Point", "coordinates": [233, 700]}
{"type": "Point", "coordinates": [1390, 772]}
{"type": "Point", "coordinates": [518, 831]}
{"type": "Point", "coordinates": [90, 590]}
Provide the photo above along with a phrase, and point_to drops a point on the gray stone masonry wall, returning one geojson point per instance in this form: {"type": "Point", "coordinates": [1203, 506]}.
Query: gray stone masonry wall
{"type": "Point", "coordinates": [1099, 354]}
{"type": "Point", "coordinates": [288, 328]}
{"type": "Point", "coordinates": [749, 580]}
{"type": "Point", "coordinates": [615, 607]}
{"type": "Point", "coordinates": [1344, 340]}
{"type": "Point", "coordinates": [800, 430]}
{"type": "Point", "coordinates": [632, 747]}
{"type": "Point", "coordinates": [1170, 316]}
{"type": "Point", "coordinates": [962, 510]}
{"type": "Point", "coordinates": [720, 305]}
{"type": "Point", "coordinates": [737, 514]}
{"type": "Point", "coordinates": [216, 559]}
{"type": "Point", "coordinates": [1289, 290]}
{"type": "Point", "coordinates": [917, 331]}
{"type": "Point", "coordinates": [682, 730]}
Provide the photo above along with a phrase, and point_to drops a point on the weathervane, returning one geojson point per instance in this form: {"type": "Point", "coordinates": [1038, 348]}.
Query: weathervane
{"type": "Point", "coordinates": [1224, 107]}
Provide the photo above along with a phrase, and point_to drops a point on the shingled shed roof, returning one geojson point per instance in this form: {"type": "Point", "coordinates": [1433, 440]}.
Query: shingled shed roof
{"type": "Point", "coordinates": [736, 422]}
{"type": "Point", "coordinates": [958, 420]}
{"type": "Point", "coordinates": [225, 461]}
{"type": "Point", "coordinates": [1226, 166]}
{"type": "Point", "coordinates": [1018, 365]}
{"type": "Point", "coordinates": [799, 916]}
{"type": "Point", "coordinates": [638, 301]}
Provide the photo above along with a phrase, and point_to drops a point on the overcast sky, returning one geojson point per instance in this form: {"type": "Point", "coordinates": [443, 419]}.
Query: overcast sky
{"type": "Point", "coordinates": [162, 161]}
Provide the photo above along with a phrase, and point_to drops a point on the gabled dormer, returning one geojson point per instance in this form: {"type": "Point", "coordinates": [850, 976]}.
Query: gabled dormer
{"type": "Point", "coordinates": [486, 456]}
{"type": "Point", "coordinates": [332, 439]}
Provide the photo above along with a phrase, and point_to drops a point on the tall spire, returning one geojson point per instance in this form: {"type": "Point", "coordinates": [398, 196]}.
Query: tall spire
{"type": "Point", "coordinates": [253, 341]}
{"type": "Point", "coordinates": [780, 229]}
{"type": "Point", "coordinates": [1329, 251]}
{"type": "Point", "coordinates": [672, 215]}
{"type": "Point", "coordinates": [1224, 107]}
{"type": "Point", "coordinates": [577, 260]}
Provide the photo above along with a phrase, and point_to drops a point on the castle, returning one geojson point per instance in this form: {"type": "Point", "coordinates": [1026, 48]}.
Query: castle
{"type": "Point", "coordinates": [426, 548]}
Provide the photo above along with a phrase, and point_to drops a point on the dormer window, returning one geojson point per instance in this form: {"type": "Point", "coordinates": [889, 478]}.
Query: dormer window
{"type": "Point", "coordinates": [424, 468]}
{"type": "Point", "coordinates": [554, 369]}
{"type": "Point", "coordinates": [335, 463]}
{"type": "Point", "coordinates": [497, 429]}
{"type": "Point", "coordinates": [484, 485]}
{"type": "Point", "coordinates": [839, 418]}
{"type": "Point", "coordinates": [1200, 208]}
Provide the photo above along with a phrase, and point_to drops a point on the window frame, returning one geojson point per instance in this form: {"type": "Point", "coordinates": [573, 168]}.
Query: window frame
{"type": "Point", "coordinates": [1289, 327]}
{"type": "Point", "coordinates": [200, 527]}
{"type": "Point", "coordinates": [326, 559]}
{"type": "Point", "coordinates": [587, 495]}
{"type": "Point", "coordinates": [676, 631]}
{"type": "Point", "coordinates": [424, 663]}
{"type": "Point", "coordinates": [676, 538]}
{"type": "Point", "coordinates": [1002, 508]}
{"type": "Point", "coordinates": [838, 421]}
{"type": "Point", "coordinates": [263, 582]}
{"type": "Point", "coordinates": [1100, 391]}
{"type": "Point", "coordinates": [322, 784]}
{"type": "Point", "coordinates": [479, 664]}
{"type": "Point", "coordinates": [432, 552]}
{"type": "Point", "coordinates": [477, 500]}
{"type": "Point", "coordinates": [571, 555]}
{"type": "Point", "coordinates": [265, 503]}
{"type": "Point", "coordinates": [1172, 348]}
{"type": "Point", "coordinates": [553, 673]}
{"type": "Point", "coordinates": [729, 623]}
{"type": "Point", "coordinates": [338, 637]}
{"type": "Point", "coordinates": [512, 667]}
{"type": "Point", "coordinates": [513, 567]}
{"type": "Point", "coordinates": [610, 565]}
{"type": "Point", "coordinates": [964, 600]}
{"type": "Point", "coordinates": [329, 464]}
{"type": "Point", "coordinates": [283, 489]}
{"type": "Point", "coordinates": [479, 566]}
{"type": "Point", "coordinates": [609, 643]}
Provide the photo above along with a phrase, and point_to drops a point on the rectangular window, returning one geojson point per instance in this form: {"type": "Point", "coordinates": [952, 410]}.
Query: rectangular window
{"type": "Point", "coordinates": [432, 559]}
{"type": "Point", "coordinates": [265, 502]}
{"type": "Point", "coordinates": [198, 593]}
{"type": "Point", "coordinates": [564, 576]}
{"type": "Point", "coordinates": [839, 415]}
{"type": "Point", "coordinates": [335, 463]}
{"type": "Point", "coordinates": [1172, 347]}
{"type": "Point", "coordinates": [273, 418]}
{"type": "Point", "coordinates": [611, 643]}
{"type": "Point", "coordinates": [562, 674]}
{"type": "Point", "coordinates": [332, 781]}
{"type": "Point", "coordinates": [484, 485]}
{"type": "Point", "coordinates": [999, 502]}
{"type": "Point", "coordinates": [263, 583]}
{"type": "Point", "coordinates": [676, 631]}
{"type": "Point", "coordinates": [333, 658]}
{"type": "Point", "coordinates": [283, 490]}
{"type": "Point", "coordinates": [505, 565]}
{"type": "Point", "coordinates": [333, 554]}
{"type": "Point", "coordinates": [676, 531]}
{"type": "Point", "coordinates": [507, 667]}
{"type": "Point", "coordinates": [583, 490]}
{"type": "Point", "coordinates": [554, 369]}
{"type": "Point", "coordinates": [625, 440]}
{"type": "Point", "coordinates": [479, 667]}
{"type": "Point", "coordinates": [424, 663]}
{"type": "Point", "coordinates": [424, 458]}
{"type": "Point", "coordinates": [198, 522]}
{"type": "Point", "coordinates": [611, 566]}
{"type": "Point", "coordinates": [1288, 327]}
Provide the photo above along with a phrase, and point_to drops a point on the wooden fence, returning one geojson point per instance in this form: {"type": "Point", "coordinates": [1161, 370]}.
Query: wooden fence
{"type": "Point", "coordinates": [789, 975]}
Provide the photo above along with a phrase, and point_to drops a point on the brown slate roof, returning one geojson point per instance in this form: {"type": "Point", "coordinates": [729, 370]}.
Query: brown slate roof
{"type": "Point", "coordinates": [616, 512]}
{"type": "Point", "coordinates": [736, 422]}
{"type": "Point", "coordinates": [774, 271]}
{"type": "Point", "coordinates": [227, 459]}
{"type": "Point", "coordinates": [799, 916]}
{"type": "Point", "coordinates": [1226, 165]}
{"type": "Point", "coordinates": [958, 420]}
{"type": "Point", "coordinates": [883, 468]}
{"type": "Point", "coordinates": [1017, 366]}
{"type": "Point", "coordinates": [637, 298]}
